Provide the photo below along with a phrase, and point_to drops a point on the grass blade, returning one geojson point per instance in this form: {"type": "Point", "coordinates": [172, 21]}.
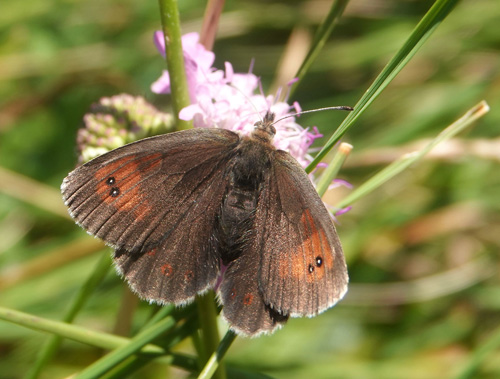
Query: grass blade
{"type": "Point", "coordinates": [420, 34]}
{"type": "Point", "coordinates": [401, 164]}
{"type": "Point", "coordinates": [50, 348]}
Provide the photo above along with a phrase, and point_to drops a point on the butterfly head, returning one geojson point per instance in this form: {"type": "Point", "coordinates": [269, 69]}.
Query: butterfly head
{"type": "Point", "coordinates": [265, 129]}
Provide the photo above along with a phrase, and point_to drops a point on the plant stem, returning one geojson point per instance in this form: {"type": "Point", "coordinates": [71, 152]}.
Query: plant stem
{"type": "Point", "coordinates": [210, 334]}
{"type": "Point", "coordinates": [216, 358]}
{"type": "Point", "coordinates": [170, 20]}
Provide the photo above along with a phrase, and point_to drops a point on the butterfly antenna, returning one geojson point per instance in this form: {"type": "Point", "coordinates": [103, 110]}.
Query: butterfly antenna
{"type": "Point", "coordinates": [337, 108]}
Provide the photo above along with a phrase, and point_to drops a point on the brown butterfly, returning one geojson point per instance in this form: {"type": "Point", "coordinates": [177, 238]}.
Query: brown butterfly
{"type": "Point", "coordinates": [176, 207]}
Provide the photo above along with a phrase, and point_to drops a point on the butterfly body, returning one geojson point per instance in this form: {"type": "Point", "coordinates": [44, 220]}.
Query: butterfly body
{"type": "Point", "coordinates": [174, 207]}
{"type": "Point", "coordinates": [250, 166]}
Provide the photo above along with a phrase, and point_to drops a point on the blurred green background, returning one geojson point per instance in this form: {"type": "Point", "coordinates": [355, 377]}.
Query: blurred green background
{"type": "Point", "coordinates": [422, 250]}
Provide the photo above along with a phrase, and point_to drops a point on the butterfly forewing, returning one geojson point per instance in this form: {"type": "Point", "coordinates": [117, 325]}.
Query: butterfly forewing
{"type": "Point", "coordinates": [134, 196]}
{"type": "Point", "coordinates": [302, 267]}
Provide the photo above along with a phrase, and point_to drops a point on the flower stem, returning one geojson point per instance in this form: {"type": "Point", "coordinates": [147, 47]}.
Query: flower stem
{"type": "Point", "coordinates": [169, 14]}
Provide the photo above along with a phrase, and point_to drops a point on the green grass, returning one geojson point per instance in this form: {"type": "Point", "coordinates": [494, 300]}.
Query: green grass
{"type": "Point", "coordinates": [422, 246]}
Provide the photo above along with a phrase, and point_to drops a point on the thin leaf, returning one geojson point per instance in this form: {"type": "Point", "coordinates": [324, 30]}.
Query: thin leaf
{"type": "Point", "coordinates": [324, 31]}
{"type": "Point", "coordinates": [120, 354]}
{"type": "Point", "coordinates": [333, 168]}
{"type": "Point", "coordinates": [420, 34]}
{"type": "Point", "coordinates": [214, 361]}
{"type": "Point", "coordinates": [86, 290]}
{"type": "Point", "coordinates": [401, 164]}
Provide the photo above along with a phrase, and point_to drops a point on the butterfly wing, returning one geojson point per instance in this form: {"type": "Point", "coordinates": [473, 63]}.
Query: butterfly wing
{"type": "Point", "coordinates": [292, 262]}
{"type": "Point", "coordinates": [155, 202]}
{"type": "Point", "coordinates": [302, 267]}
{"type": "Point", "coordinates": [243, 305]}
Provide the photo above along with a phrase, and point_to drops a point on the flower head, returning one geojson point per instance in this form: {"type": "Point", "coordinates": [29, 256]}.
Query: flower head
{"type": "Point", "coordinates": [115, 121]}
{"type": "Point", "coordinates": [229, 100]}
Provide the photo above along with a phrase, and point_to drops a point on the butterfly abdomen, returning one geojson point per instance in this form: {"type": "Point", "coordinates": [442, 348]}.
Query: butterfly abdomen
{"type": "Point", "coordinates": [235, 222]}
{"type": "Point", "coordinates": [250, 167]}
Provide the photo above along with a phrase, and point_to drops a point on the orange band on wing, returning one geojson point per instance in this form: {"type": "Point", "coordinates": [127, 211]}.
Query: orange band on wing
{"type": "Point", "coordinates": [119, 183]}
{"type": "Point", "coordinates": [314, 254]}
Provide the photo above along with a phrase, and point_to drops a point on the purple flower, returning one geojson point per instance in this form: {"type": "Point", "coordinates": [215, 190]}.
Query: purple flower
{"type": "Point", "coordinates": [198, 61]}
{"type": "Point", "coordinates": [229, 100]}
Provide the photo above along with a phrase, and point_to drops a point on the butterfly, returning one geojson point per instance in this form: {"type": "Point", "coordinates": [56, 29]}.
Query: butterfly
{"type": "Point", "coordinates": [180, 208]}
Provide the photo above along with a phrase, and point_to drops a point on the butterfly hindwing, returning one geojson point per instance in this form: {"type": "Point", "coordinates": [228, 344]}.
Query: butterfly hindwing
{"type": "Point", "coordinates": [243, 306]}
{"type": "Point", "coordinates": [185, 262]}
{"type": "Point", "coordinates": [302, 267]}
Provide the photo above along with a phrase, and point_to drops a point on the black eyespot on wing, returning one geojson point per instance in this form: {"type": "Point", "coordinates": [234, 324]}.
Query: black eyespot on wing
{"type": "Point", "coordinates": [319, 261]}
